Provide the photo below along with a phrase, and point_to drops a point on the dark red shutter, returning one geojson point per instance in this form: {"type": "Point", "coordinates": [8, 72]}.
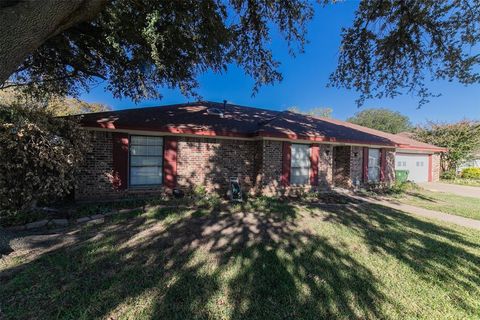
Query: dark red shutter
{"type": "Point", "coordinates": [314, 156]}
{"type": "Point", "coordinates": [286, 161]}
{"type": "Point", "coordinates": [120, 160]}
{"type": "Point", "coordinates": [383, 164]}
{"type": "Point", "coordinates": [170, 162]}
{"type": "Point", "coordinates": [365, 165]}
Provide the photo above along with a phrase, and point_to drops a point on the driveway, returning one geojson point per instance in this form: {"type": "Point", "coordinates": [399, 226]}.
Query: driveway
{"type": "Point", "coordinates": [452, 188]}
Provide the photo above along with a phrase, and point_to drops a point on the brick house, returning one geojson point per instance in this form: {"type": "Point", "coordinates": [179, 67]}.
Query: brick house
{"type": "Point", "coordinates": [147, 151]}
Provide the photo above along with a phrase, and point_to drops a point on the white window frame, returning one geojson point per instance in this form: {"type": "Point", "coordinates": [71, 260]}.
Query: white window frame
{"type": "Point", "coordinates": [295, 165]}
{"type": "Point", "coordinates": [131, 156]}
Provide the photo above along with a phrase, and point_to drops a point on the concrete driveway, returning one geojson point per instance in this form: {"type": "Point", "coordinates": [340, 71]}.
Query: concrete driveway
{"type": "Point", "coordinates": [452, 188]}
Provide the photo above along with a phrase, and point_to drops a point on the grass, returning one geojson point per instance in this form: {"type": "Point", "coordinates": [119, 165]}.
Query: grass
{"type": "Point", "coordinates": [260, 260]}
{"type": "Point", "coordinates": [468, 207]}
{"type": "Point", "coordinates": [463, 182]}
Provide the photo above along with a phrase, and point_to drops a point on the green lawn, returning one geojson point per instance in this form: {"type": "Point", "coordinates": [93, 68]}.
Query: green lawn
{"type": "Point", "coordinates": [283, 261]}
{"type": "Point", "coordinates": [444, 202]}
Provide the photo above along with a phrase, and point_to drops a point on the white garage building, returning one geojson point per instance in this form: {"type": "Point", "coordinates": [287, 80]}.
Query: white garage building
{"type": "Point", "coordinates": [421, 160]}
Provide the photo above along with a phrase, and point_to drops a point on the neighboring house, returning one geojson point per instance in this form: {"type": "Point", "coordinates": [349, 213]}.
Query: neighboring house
{"type": "Point", "coordinates": [472, 163]}
{"type": "Point", "coordinates": [147, 151]}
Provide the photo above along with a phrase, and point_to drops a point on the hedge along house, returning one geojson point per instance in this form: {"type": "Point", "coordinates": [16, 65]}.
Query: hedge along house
{"type": "Point", "coordinates": [148, 151]}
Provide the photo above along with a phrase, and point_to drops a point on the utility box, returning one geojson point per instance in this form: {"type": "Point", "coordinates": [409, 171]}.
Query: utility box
{"type": "Point", "coordinates": [234, 190]}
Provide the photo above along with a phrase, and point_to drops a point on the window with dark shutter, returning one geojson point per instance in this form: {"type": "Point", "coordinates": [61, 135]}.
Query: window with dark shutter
{"type": "Point", "coordinates": [300, 164]}
{"type": "Point", "coordinates": [146, 160]}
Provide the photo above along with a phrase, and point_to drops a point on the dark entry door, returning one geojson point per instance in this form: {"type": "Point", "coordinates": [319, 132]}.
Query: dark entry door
{"type": "Point", "coordinates": [341, 166]}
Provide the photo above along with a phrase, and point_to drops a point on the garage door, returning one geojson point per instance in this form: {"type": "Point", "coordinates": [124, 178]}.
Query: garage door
{"type": "Point", "coordinates": [416, 164]}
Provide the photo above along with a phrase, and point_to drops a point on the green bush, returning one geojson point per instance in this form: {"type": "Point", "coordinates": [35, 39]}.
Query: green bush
{"type": "Point", "coordinates": [448, 175]}
{"type": "Point", "coordinates": [471, 173]}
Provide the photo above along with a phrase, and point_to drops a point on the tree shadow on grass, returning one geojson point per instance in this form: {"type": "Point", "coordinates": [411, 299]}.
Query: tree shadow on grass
{"type": "Point", "coordinates": [422, 197]}
{"type": "Point", "coordinates": [436, 254]}
{"type": "Point", "coordinates": [233, 265]}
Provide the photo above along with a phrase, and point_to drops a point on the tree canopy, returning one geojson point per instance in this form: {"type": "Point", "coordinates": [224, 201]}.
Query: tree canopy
{"type": "Point", "coordinates": [136, 46]}
{"type": "Point", "coordinates": [382, 119]}
{"type": "Point", "coordinates": [316, 112]}
{"type": "Point", "coordinates": [398, 46]}
{"type": "Point", "coordinates": [392, 47]}
{"type": "Point", "coordinates": [462, 139]}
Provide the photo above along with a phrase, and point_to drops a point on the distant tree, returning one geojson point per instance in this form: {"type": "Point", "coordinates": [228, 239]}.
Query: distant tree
{"type": "Point", "coordinates": [316, 112]}
{"type": "Point", "coordinates": [54, 104]}
{"type": "Point", "coordinates": [382, 119]}
{"type": "Point", "coordinates": [394, 47]}
{"type": "Point", "coordinates": [462, 139]}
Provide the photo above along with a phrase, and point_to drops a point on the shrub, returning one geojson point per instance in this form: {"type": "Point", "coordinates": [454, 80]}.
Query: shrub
{"type": "Point", "coordinates": [402, 187]}
{"type": "Point", "coordinates": [449, 175]}
{"type": "Point", "coordinates": [38, 157]}
{"type": "Point", "coordinates": [471, 173]}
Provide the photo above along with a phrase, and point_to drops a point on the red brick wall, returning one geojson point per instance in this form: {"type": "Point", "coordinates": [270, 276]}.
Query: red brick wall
{"type": "Point", "coordinates": [269, 167]}
{"type": "Point", "coordinates": [390, 166]}
{"type": "Point", "coordinates": [325, 167]}
{"type": "Point", "coordinates": [436, 167]}
{"type": "Point", "coordinates": [356, 166]}
{"type": "Point", "coordinates": [211, 162]}
{"type": "Point", "coordinates": [96, 179]}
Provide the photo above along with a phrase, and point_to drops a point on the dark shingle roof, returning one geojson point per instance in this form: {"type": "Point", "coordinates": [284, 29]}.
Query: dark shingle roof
{"type": "Point", "coordinates": [238, 121]}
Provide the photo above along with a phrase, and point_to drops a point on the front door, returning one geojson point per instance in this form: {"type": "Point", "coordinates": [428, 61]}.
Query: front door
{"type": "Point", "coordinates": [341, 166]}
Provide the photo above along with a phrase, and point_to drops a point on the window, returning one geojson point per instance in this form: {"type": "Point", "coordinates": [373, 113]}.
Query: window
{"type": "Point", "coordinates": [300, 165]}
{"type": "Point", "coordinates": [146, 160]}
{"type": "Point", "coordinates": [373, 165]}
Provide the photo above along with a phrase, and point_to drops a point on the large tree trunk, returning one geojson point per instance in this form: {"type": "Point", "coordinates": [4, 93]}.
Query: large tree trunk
{"type": "Point", "coordinates": [26, 24]}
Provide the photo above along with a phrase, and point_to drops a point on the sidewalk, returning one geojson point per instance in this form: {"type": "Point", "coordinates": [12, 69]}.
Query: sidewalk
{"type": "Point", "coordinates": [465, 191]}
{"type": "Point", "coordinates": [461, 221]}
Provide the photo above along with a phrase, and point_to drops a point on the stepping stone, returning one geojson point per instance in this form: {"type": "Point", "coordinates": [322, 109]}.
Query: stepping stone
{"type": "Point", "coordinates": [16, 228]}
{"type": "Point", "coordinates": [96, 216]}
{"type": "Point", "coordinates": [36, 224]}
{"type": "Point", "coordinates": [96, 221]}
{"type": "Point", "coordinates": [60, 222]}
{"type": "Point", "coordinates": [129, 210]}
{"type": "Point", "coordinates": [83, 219]}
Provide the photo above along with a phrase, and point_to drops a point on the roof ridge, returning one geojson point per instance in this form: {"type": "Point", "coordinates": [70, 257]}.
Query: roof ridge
{"type": "Point", "coordinates": [194, 103]}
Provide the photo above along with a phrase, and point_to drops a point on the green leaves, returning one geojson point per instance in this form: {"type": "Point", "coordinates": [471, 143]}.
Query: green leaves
{"type": "Point", "coordinates": [396, 47]}
{"type": "Point", "coordinates": [382, 119]}
{"type": "Point", "coordinates": [461, 139]}
{"type": "Point", "coordinates": [137, 46]}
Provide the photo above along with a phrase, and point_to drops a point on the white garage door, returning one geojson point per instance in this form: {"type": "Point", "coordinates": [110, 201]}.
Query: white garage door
{"type": "Point", "coordinates": [416, 164]}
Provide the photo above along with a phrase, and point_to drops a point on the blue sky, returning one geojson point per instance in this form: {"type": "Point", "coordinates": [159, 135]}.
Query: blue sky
{"type": "Point", "coordinates": [305, 78]}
